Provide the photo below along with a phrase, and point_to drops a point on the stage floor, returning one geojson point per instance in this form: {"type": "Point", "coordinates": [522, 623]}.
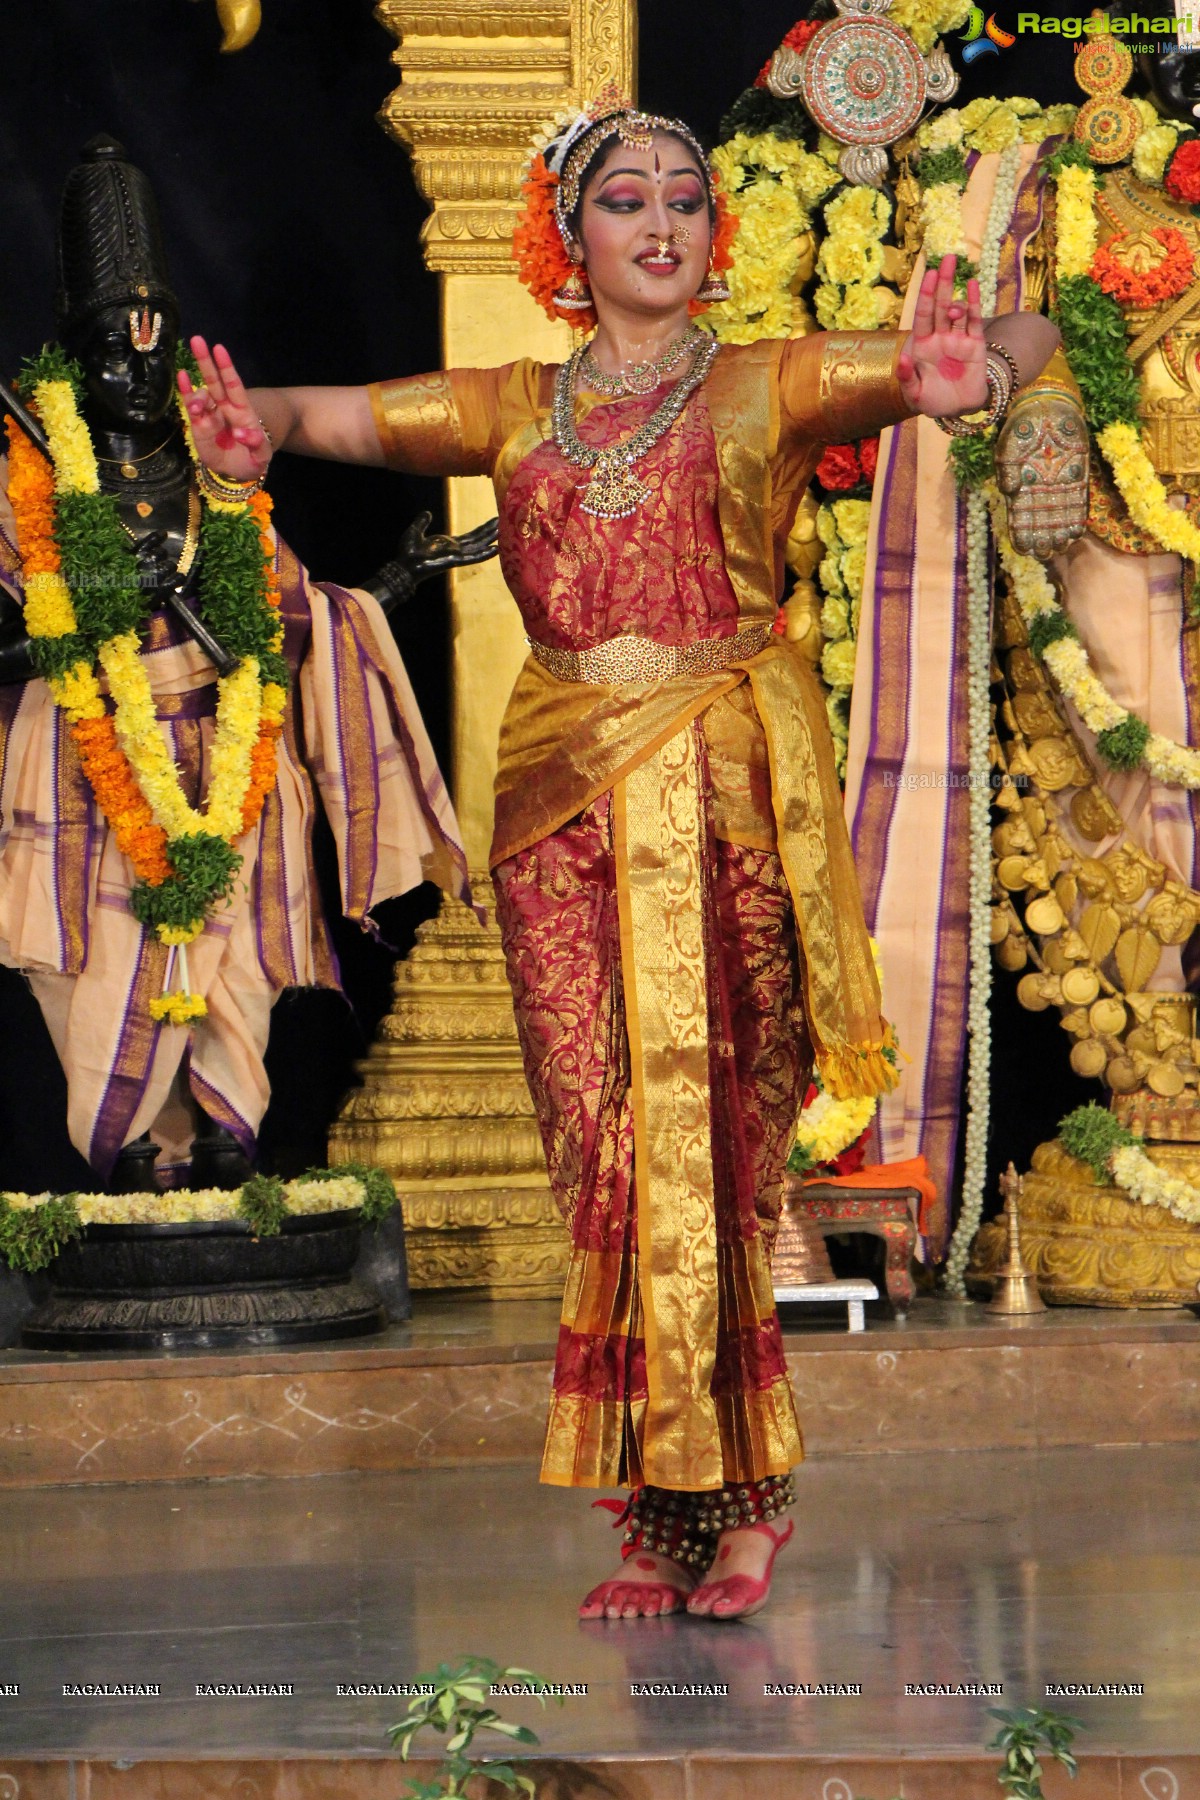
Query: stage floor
{"type": "Point", "coordinates": [1021, 1567]}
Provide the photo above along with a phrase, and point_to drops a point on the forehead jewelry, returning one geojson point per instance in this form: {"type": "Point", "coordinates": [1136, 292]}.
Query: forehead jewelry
{"type": "Point", "coordinates": [144, 332]}
{"type": "Point", "coordinates": [636, 129]}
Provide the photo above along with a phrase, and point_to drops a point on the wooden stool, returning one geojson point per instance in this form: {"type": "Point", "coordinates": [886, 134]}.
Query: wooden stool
{"type": "Point", "coordinates": [811, 1207]}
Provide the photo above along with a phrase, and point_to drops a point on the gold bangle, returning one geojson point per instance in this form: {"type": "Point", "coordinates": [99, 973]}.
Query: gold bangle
{"type": "Point", "coordinates": [1000, 390]}
{"type": "Point", "coordinates": [222, 487]}
{"type": "Point", "coordinates": [1010, 359]}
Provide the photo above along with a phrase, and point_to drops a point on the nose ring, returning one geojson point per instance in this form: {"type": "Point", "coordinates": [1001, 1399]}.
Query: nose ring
{"type": "Point", "coordinates": [681, 234]}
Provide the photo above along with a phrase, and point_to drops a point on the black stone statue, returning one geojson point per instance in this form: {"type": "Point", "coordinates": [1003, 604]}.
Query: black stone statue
{"type": "Point", "coordinates": [119, 318]}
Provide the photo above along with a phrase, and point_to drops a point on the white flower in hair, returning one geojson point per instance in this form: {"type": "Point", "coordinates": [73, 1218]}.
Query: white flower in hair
{"type": "Point", "coordinates": [554, 137]}
{"type": "Point", "coordinates": [571, 133]}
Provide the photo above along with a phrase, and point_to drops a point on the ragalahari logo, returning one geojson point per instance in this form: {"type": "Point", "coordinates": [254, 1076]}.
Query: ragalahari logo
{"type": "Point", "coordinates": [984, 37]}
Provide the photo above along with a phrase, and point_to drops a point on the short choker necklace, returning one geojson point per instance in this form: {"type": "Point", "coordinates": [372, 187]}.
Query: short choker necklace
{"type": "Point", "coordinates": [639, 378]}
{"type": "Point", "coordinates": [129, 465]}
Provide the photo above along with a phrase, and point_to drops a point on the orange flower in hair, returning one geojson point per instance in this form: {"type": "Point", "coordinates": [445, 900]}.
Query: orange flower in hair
{"type": "Point", "coordinates": [541, 257]}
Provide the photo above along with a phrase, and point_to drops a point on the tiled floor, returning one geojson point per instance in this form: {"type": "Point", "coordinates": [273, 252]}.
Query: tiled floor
{"type": "Point", "coordinates": [1016, 1567]}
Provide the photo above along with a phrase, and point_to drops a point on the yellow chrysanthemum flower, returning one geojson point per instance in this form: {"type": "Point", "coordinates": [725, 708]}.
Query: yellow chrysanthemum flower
{"type": "Point", "coordinates": [1153, 151]}
{"type": "Point", "coordinates": [48, 609]}
{"type": "Point", "coordinates": [835, 618]}
{"type": "Point", "coordinates": [75, 468]}
{"type": "Point", "coordinates": [863, 308]}
{"type": "Point", "coordinates": [944, 131]}
{"type": "Point", "coordinates": [853, 520]}
{"type": "Point", "coordinates": [837, 663]}
{"type": "Point", "coordinates": [997, 132]}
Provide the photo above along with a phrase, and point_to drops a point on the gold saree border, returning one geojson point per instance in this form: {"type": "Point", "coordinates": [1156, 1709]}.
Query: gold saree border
{"type": "Point", "coordinates": [588, 1443]}
{"type": "Point", "coordinates": [842, 1002]}
{"type": "Point", "coordinates": [658, 838]}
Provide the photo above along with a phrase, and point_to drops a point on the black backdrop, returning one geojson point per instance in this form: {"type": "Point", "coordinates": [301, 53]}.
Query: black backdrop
{"type": "Point", "coordinates": [291, 223]}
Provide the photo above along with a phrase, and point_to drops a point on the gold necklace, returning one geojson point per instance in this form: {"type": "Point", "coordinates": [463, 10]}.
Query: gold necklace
{"type": "Point", "coordinates": [639, 378]}
{"type": "Point", "coordinates": [129, 465]}
{"type": "Point", "coordinates": [614, 491]}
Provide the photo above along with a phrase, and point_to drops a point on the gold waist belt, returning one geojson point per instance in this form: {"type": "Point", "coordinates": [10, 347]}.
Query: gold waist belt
{"type": "Point", "coordinates": [630, 658]}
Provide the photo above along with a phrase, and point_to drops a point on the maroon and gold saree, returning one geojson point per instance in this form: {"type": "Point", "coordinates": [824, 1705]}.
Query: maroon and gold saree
{"type": "Point", "coordinates": [674, 887]}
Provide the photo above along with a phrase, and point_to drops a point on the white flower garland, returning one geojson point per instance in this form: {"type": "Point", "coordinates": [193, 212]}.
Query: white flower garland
{"type": "Point", "coordinates": [1135, 1174]}
{"type": "Point", "coordinates": [187, 1206]}
{"type": "Point", "coordinates": [979, 725]}
{"type": "Point", "coordinates": [1175, 764]}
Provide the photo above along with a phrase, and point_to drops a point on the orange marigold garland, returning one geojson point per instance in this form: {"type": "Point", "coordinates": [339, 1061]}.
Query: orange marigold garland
{"type": "Point", "coordinates": [1149, 287]}
{"type": "Point", "coordinates": [33, 489]}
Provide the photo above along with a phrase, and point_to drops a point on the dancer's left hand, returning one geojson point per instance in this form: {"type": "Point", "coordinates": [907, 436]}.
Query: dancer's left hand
{"type": "Point", "coordinates": [943, 366]}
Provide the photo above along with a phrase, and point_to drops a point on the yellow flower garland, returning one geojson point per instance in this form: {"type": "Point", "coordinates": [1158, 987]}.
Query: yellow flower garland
{"type": "Point", "coordinates": [1068, 662]}
{"type": "Point", "coordinates": [774, 183]}
{"type": "Point", "coordinates": [187, 1206]}
{"type": "Point", "coordinates": [852, 295]}
{"type": "Point", "coordinates": [244, 703]}
{"type": "Point", "coordinates": [1137, 481]}
{"type": "Point", "coordinates": [240, 695]}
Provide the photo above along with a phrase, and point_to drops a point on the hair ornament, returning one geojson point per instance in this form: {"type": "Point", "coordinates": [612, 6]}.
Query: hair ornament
{"type": "Point", "coordinates": [562, 152]}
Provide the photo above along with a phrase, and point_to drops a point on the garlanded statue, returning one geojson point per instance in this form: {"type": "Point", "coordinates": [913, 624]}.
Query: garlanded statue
{"type": "Point", "coordinates": [840, 240]}
{"type": "Point", "coordinates": [1059, 835]}
{"type": "Point", "coordinates": [681, 923]}
{"type": "Point", "coordinates": [1099, 866]}
{"type": "Point", "coordinates": [175, 692]}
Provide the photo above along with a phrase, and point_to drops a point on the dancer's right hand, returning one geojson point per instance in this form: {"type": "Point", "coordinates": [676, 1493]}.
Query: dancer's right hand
{"type": "Point", "coordinates": [228, 433]}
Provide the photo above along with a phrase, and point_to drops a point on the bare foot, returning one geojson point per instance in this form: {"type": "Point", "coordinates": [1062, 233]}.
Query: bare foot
{"type": "Point", "coordinates": [647, 1586]}
{"type": "Point", "coordinates": [739, 1581]}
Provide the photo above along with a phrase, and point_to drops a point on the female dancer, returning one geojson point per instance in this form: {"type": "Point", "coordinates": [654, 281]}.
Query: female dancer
{"type": "Point", "coordinates": [674, 887]}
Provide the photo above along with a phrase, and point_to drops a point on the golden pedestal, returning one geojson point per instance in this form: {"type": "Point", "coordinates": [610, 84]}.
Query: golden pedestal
{"type": "Point", "coordinates": [445, 1109]}
{"type": "Point", "coordinates": [1088, 1245]}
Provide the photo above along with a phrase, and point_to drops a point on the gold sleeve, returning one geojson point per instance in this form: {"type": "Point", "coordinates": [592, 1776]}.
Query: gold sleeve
{"type": "Point", "coordinates": [446, 423]}
{"type": "Point", "coordinates": [838, 385]}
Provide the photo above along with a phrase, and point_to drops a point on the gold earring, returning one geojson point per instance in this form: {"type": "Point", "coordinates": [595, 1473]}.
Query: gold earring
{"type": "Point", "coordinates": [713, 290]}
{"type": "Point", "coordinates": [575, 294]}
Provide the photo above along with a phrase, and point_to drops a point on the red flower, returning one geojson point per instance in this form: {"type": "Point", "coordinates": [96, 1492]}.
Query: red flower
{"type": "Point", "coordinates": [868, 453]}
{"type": "Point", "coordinates": [839, 469]}
{"type": "Point", "coordinates": [798, 38]}
{"type": "Point", "coordinates": [851, 1159]}
{"type": "Point", "coordinates": [1183, 175]}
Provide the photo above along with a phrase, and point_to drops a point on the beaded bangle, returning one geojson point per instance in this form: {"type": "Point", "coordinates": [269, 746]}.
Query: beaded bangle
{"type": "Point", "coordinates": [1001, 381]}
{"type": "Point", "coordinates": [1010, 359]}
{"type": "Point", "coordinates": [220, 487]}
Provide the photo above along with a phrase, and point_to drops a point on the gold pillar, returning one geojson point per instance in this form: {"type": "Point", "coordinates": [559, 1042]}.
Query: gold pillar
{"type": "Point", "coordinates": [444, 1106]}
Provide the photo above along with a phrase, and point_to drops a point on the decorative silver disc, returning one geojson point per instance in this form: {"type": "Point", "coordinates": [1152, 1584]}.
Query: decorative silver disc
{"type": "Point", "coordinates": [863, 80]}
